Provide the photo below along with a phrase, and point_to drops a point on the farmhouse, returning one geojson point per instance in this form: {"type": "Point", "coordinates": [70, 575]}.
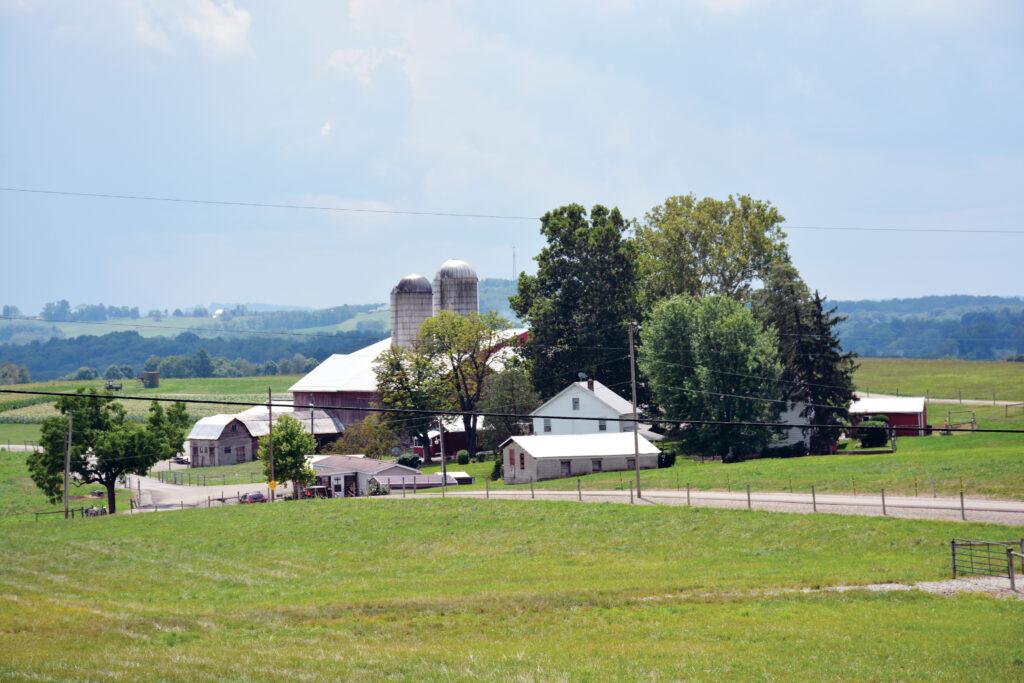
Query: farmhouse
{"type": "Point", "coordinates": [589, 399]}
{"type": "Point", "coordinates": [349, 475]}
{"type": "Point", "coordinates": [540, 457]}
{"type": "Point", "coordinates": [902, 411]}
{"type": "Point", "coordinates": [232, 439]}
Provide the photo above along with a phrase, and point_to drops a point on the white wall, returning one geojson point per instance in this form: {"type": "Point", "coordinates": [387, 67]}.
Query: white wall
{"type": "Point", "coordinates": [589, 406]}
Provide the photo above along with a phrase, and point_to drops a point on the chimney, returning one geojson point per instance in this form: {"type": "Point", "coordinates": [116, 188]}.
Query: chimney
{"type": "Point", "coordinates": [590, 384]}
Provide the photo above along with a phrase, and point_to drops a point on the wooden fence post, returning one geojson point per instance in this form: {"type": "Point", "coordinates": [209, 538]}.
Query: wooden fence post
{"type": "Point", "coordinates": [579, 494]}
{"type": "Point", "coordinates": [487, 489]}
{"type": "Point", "coordinates": [687, 494]}
{"type": "Point", "coordinates": [814, 499]}
{"type": "Point", "coordinates": [631, 492]}
{"type": "Point", "coordinates": [748, 497]}
{"type": "Point", "coordinates": [531, 488]}
{"type": "Point", "coordinates": [883, 503]}
{"type": "Point", "coordinates": [952, 549]}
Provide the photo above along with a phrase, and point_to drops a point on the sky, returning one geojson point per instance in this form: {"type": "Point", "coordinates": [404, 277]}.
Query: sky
{"type": "Point", "coordinates": [869, 114]}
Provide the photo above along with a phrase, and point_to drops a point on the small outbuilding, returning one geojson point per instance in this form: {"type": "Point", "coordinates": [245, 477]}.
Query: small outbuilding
{"type": "Point", "coordinates": [540, 457]}
{"type": "Point", "coordinates": [350, 475]}
{"type": "Point", "coordinates": [902, 411]}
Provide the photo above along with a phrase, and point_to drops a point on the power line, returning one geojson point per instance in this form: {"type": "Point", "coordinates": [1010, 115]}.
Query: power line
{"type": "Point", "coordinates": [449, 214]}
{"type": "Point", "coordinates": [447, 412]}
{"type": "Point", "coordinates": [265, 205]}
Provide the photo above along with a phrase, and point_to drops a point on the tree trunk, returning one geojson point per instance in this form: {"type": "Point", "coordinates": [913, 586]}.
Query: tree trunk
{"type": "Point", "coordinates": [111, 498]}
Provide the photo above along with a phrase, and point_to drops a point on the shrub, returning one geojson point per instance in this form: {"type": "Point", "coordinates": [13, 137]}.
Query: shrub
{"type": "Point", "coordinates": [378, 489]}
{"type": "Point", "coordinates": [873, 433]}
{"type": "Point", "coordinates": [796, 450]}
{"type": "Point", "coordinates": [498, 472]}
{"type": "Point", "coordinates": [409, 460]}
{"type": "Point", "coordinates": [462, 457]}
{"type": "Point", "coordinates": [667, 457]}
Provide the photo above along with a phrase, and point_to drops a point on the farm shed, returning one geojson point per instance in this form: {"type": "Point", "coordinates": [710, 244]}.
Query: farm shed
{"type": "Point", "coordinates": [591, 399]}
{"type": "Point", "coordinates": [349, 475]}
{"type": "Point", "coordinates": [539, 457]}
{"type": "Point", "coordinates": [902, 411]}
{"type": "Point", "coordinates": [232, 439]}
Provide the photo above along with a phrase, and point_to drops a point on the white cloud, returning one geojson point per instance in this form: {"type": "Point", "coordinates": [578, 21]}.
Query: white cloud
{"type": "Point", "coordinates": [359, 63]}
{"type": "Point", "coordinates": [217, 26]}
{"type": "Point", "coordinates": [325, 129]}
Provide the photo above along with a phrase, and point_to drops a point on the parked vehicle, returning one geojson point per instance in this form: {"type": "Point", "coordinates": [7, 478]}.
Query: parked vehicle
{"type": "Point", "coordinates": [255, 497]}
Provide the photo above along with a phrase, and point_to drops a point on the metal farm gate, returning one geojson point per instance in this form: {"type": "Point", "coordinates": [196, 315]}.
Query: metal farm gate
{"type": "Point", "coordinates": [987, 558]}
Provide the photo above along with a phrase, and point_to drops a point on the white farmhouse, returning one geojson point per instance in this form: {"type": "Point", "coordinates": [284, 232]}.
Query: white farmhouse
{"type": "Point", "coordinates": [539, 457]}
{"type": "Point", "coordinates": [584, 399]}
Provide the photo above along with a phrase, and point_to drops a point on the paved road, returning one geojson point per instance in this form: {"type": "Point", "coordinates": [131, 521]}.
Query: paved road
{"type": "Point", "coordinates": [158, 495]}
{"type": "Point", "coordinates": [956, 401]}
{"type": "Point", "coordinates": [975, 509]}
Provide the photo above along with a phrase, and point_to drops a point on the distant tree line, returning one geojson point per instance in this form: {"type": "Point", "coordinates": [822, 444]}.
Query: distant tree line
{"type": "Point", "coordinates": [59, 357]}
{"type": "Point", "coordinates": [14, 374]}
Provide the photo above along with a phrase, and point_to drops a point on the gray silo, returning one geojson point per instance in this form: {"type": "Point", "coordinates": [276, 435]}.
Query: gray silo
{"type": "Point", "coordinates": [455, 288]}
{"type": "Point", "coordinates": [411, 303]}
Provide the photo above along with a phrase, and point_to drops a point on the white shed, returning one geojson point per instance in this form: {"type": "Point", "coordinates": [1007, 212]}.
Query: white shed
{"type": "Point", "coordinates": [539, 457]}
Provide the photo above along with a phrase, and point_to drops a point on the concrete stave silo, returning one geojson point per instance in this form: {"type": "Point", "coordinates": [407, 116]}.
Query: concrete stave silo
{"type": "Point", "coordinates": [456, 288]}
{"type": "Point", "coordinates": [411, 304]}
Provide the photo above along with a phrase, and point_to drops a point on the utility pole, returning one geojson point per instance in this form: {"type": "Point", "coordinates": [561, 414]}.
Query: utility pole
{"type": "Point", "coordinates": [636, 416]}
{"type": "Point", "coordinates": [67, 464]}
{"type": "Point", "coordinates": [444, 465]}
{"type": "Point", "coordinates": [270, 425]}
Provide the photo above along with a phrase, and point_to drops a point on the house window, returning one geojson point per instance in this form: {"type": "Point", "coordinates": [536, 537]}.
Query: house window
{"type": "Point", "coordinates": [547, 424]}
{"type": "Point", "coordinates": [602, 426]}
{"type": "Point", "coordinates": [595, 465]}
{"type": "Point", "coordinates": [522, 461]}
{"type": "Point", "coordinates": [575, 402]}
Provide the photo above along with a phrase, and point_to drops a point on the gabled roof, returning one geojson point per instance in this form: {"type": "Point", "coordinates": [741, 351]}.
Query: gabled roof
{"type": "Point", "coordinates": [602, 393]}
{"type": "Point", "coordinates": [210, 427]}
{"type": "Point", "coordinates": [582, 445]}
{"type": "Point", "coordinates": [345, 371]}
{"type": "Point", "coordinates": [256, 421]}
{"type": "Point", "coordinates": [333, 464]}
{"type": "Point", "coordinates": [887, 404]}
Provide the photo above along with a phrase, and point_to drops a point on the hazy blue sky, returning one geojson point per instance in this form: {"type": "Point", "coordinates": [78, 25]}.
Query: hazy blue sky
{"type": "Point", "coordinates": [876, 113]}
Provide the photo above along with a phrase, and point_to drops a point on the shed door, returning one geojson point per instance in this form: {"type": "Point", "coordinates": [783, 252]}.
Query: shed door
{"type": "Point", "coordinates": [565, 467]}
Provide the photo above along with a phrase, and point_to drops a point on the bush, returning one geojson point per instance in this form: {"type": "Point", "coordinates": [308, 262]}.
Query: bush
{"type": "Point", "coordinates": [873, 433]}
{"type": "Point", "coordinates": [498, 472]}
{"type": "Point", "coordinates": [667, 458]}
{"type": "Point", "coordinates": [409, 460]}
{"type": "Point", "coordinates": [796, 450]}
{"type": "Point", "coordinates": [462, 457]}
{"type": "Point", "coordinates": [378, 489]}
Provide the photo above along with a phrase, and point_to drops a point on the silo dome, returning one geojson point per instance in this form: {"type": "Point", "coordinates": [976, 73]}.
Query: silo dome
{"type": "Point", "coordinates": [411, 304]}
{"type": "Point", "coordinates": [455, 288]}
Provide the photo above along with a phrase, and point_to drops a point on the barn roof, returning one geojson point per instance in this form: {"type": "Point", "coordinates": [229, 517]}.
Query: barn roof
{"type": "Point", "coordinates": [887, 404]}
{"type": "Point", "coordinates": [581, 445]}
{"type": "Point", "coordinates": [345, 371]}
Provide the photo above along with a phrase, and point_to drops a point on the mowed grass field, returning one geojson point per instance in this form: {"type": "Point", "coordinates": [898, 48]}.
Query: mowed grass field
{"type": "Point", "coordinates": [942, 378]}
{"type": "Point", "coordinates": [494, 590]}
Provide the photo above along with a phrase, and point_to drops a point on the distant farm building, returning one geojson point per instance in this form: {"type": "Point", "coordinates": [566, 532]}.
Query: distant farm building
{"type": "Point", "coordinates": [233, 439]}
{"type": "Point", "coordinates": [902, 411]}
{"type": "Point", "coordinates": [349, 475]}
{"type": "Point", "coordinates": [540, 457]}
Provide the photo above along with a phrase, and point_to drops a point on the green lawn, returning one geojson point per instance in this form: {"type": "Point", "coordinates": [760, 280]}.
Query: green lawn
{"type": "Point", "coordinates": [942, 378]}
{"type": "Point", "coordinates": [18, 433]}
{"type": "Point", "coordinates": [243, 473]}
{"type": "Point", "coordinates": [459, 589]}
{"type": "Point", "coordinates": [20, 499]}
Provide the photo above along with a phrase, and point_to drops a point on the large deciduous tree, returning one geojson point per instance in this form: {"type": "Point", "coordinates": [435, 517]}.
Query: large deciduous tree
{"type": "Point", "coordinates": [291, 446]}
{"type": "Point", "coordinates": [816, 373]}
{"type": "Point", "coordinates": [707, 246]}
{"type": "Point", "coordinates": [710, 360]}
{"type": "Point", "coordinates": [464, 351]}
{"type": "Point", "coordinates": [104, 445]}
{"type": "Point", "coordinates": [580, 299]}
{"type": "Point", "coordinates": [510, 392]}
{"type": "Point", "coordinates": [371, 437]}
{"type": "Point", "coordinates": [409, 381]}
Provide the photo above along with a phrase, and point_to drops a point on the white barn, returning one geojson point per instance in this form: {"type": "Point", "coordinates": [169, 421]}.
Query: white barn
{"type": "Point", "coordinates": [540, 457]}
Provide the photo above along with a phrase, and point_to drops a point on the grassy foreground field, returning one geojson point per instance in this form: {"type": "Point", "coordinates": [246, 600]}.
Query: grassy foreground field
{"type": "Point", "coordinates": [942, 378]}
{"type": "Point", "coordinates": [456, 589]}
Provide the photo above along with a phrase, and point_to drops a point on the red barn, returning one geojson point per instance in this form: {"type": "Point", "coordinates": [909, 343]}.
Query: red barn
{"type": "Point", "coordinates": [902, 411]}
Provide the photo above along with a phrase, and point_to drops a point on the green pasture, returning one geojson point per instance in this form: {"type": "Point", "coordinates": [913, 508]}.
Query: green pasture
{"type": "Point", "coordinates": [942, 378]}
{"type": "Point", "coordinates": [350, 325]}
{"type": "Point", "coordinates": [18, 433]}
{"type": "Point", "coordinates": [20, 499]}
{"type": "Point", "coordinates": [459, 589]}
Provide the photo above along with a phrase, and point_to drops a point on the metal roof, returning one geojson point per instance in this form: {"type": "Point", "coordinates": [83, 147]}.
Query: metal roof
{"type": "Point", "coordinates": [582, 445]}
{"type": "Point", "coordinates": [602, 393]}
{"type": "Point", "coordinates": [455, 268]}
{"type": "Point", "coordinates": [345, 371]}
{"type": "Point", "coordinates": [210, 427]}
{"type": "Point", "coordinates": [411, 283]}
{"type": "Point", "coordinates": [256, 421]}
{"type": "Point", "coordinates": [888, 404]}
{"type": "Point", "coordinates": [333, 464]}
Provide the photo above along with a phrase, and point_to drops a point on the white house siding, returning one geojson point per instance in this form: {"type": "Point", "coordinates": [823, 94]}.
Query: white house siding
{"type": "Point", "coordinates": [590, 405]}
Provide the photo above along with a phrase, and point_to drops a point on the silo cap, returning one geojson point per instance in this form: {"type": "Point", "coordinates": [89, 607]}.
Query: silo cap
{"type": "Point", "coordinates": [454, 268]}
{"type": "Point", "coordinates": [413, 283]}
